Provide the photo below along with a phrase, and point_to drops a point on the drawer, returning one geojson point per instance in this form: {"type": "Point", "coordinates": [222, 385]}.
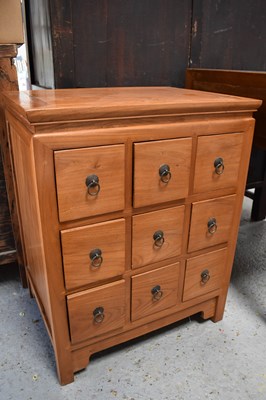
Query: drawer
{"type": "Point", "coordinates": [217, 162]}
{"type": "Point", "coordinates": [161, 171]}
{"type": "Point", "coordinates": [157, 235]}
{"type": "Point", "coordinates": [154, 291]}
{"type": "Point", "coordinates": [211, 222]}
{"type": "Point", "coordinates": [93, 253]}
{"type": "Point", "coordinates": [90, 181]}
{"type": "Point", "coordinates": [204, 274]}
{"type": "Point", "coordinates": [96, 311]}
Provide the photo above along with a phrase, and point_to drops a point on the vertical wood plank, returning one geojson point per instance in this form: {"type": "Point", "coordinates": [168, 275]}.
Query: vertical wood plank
{"type": "Point", "coordinates": [149, 41]}
{"type": "Point", "coordinates": [62, 41]}
{"type": "Point", "coordinates": [225, 35]}
{"type": "Point", "coordinates": [131, 43]}
{"type": "Point", "coordinates": [90, 43]}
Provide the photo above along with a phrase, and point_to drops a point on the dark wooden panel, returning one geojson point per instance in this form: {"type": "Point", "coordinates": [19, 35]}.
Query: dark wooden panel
{"type": "Point", "coordinates": [90, 43]}
{"type": "Point", "coordinates": [40, 44]}
{"type": "Point", "coordinates": [62, 39]}
{"type": "Point", "coordinates": [131, 42]}
{"type": "Point", "coordinates": [229, 34]}
{"type": "Point", "coordinates": [149, 41]}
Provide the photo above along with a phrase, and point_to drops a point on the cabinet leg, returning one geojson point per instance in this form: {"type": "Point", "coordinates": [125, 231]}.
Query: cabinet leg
{"type": "Point", "coordinates": [64, 365]}
{"type": "Point", "coordinates": [65, 376]}
{"type": "Point", "coordinates": [209, 310]}
{"type": "Point", "coordinates": [219, 312]}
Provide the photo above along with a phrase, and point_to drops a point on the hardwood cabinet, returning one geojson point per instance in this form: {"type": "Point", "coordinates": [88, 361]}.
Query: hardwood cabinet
{"type": "Point", "coordinates": [129, 221]}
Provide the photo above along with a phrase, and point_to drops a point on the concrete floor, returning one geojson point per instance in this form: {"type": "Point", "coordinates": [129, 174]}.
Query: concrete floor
{"type": "Point", "coordinates": [188, 360]}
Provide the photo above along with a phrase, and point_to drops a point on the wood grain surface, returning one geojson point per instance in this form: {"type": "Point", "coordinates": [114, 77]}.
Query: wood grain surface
{"type": "Point", "coordinates": [227, 147]}
{"type": "Point", "coordinates": [170, 222]}
{"type": "Point", "coordinates": [215, 263]}
{"type": "Point", "coordinates": [72, 169]}
{"type": "Point", "coordinates": [148, 158]}
{"type": "Point", "coordinates": [222, 209]}
{"type": "Point", "coordinates": [77, 244]}
{"type": "Point", "coordinates": [143, 303]}
{"type": "Point", "coordinates": [109, 42]}
{"type": "Point", "coordinates": [110, 297]}
{"type": "Point", "coordinates": [22, 150]}
{"type": "Point", "coordinates": [80, 104]}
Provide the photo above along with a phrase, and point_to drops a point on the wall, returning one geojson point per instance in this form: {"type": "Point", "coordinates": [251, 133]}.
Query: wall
{"type": "Point", "coordinates": [229, 34]}
{"type": "Point", "coordinates": [90, 43]}
{"type": "Point", "coordinates": [110, 42]}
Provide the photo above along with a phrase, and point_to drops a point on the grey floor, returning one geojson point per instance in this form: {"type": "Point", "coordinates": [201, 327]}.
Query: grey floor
{"type": "Point", "coordinates": [188, 360]}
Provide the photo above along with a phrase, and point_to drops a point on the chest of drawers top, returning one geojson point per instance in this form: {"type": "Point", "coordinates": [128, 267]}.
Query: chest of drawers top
{"type": "Point", "coordinates": [85, 104]}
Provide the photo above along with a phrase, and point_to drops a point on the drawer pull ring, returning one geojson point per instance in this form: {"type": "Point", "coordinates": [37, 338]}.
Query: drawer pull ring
{"type": "Point", "coordinates": [205, 276]}
{"type": "Point", "coordinates": [156, 292]}
{"type": "Point", "coordinates": [165, 174]}
{"type": "Point", "coordinates": [96, 258]}
{"type": "Point", "coordinates": [98, 315]}
{"type": "Point", "coordinates": [219, 165]}
{"type": "Point", "coordinates": [212, 226]}
{"type": "Point", "coordinates": [158, 238]}
{"type": "Point", "coordinates": [92, 183]}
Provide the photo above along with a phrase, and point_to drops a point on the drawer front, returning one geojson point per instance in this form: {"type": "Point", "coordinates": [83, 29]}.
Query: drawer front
{"type": "Point", "coordinates": [90, 181]}
{"type": "Point", "coordinates": [204, 274]}
{"type": "Point", "coordinates": [93, 253]}
{"type": "Point", "coordinates": [157, 236]}
{"type": "Point", "coordinates": [217, 162]}
{"type": "Point", "coordinates": [96, 311]}
{"type": "Point", "coordinates": [154, 291]}
{"type": "Point", "coordinates": [161, 171]}
{"type": "Point", "coordinates": [211, 222]}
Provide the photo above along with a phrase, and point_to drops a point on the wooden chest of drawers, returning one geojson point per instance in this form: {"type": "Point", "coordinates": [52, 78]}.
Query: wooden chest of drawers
{"type": "Point", "coordinates": [129, 202]}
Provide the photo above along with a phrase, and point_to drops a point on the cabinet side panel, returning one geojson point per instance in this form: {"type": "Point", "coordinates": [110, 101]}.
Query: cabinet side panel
{"type": "Point", "coordinates": [22, 150]}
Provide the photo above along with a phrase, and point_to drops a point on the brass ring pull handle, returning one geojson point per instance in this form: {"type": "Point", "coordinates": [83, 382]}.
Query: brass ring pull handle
{"type": "Point", "coordinates": [212, 226]}
{"type": "Point", "coordinates": [156, 292]}
{"type": "Point", "coordinates": [98, 315]}
{"type": "Point", "coordinates": [165, 174]}
{"type": "Point", "coordinates": [96, 258]}
{"type": "Point", "coordinates": [205, 276]}
{"type": "Point", "coordinates": [219, 165]}
{"type": "Point", "coordinates": [92, 183]}
{"type": "Point", "coordinates": [158, 238]}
